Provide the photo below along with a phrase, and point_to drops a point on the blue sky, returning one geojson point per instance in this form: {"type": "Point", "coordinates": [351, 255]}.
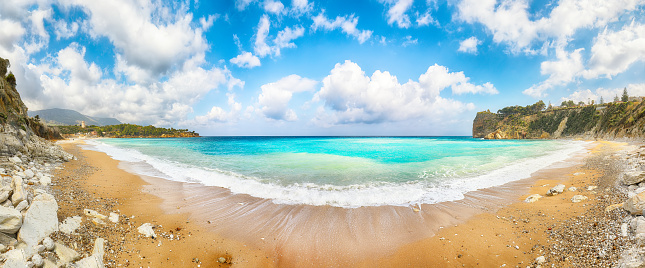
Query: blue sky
{"type": "Point", "coordinates": [299, 67]}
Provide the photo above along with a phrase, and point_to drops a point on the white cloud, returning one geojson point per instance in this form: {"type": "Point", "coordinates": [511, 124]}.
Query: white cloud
{"type": "Point", "coordinates": [246, 60]}
{"type": "Point", "coordinates": [148, 35]}
{"type": "Point", "coordinates": [469, 45]}
{"type": "Point", "coordinates": [510, 21]}
{"type": "Point", "coordinates": [207, 23]}
{"type": "Point", "coordinates": [284, 38]}
{"type": "Point", "coordinates": [562, 71]}
{"type": "Point", "coordinates": [217, 114]}
{"type": "Point", "coordinates": [613, 52]}
{"type": "Point", "coordinates": [242, 4]}
{"type": "Point", "coordinates": [410, 41]}
{"type": "Point", "coordinates": [275, 97]}
{"type": "Point", "coordinates": [347, 24]}
{"type": "Point", "coordinates": [37, 19]}
{"type": "Point", "coordinates": [425, 19]}
{"type": "Point", "coordinates": [261, 48]}
{"type": "Point", "coordinates": [353, 97]}
{"type": "Point", "coordinates": [275, 7]}
{"type": "Point", "coordinates": [397, 11]}
{"type": "Point", "coordinates": [70, 82]}
{"type": "Point", "coordinates": [301, 6]}
{"type": "Point", "coordinates": [608, 95]}
{"type": "Point", "coordinates": [65, 30]}
{"type": "Point", "coordinates": [10, 33]}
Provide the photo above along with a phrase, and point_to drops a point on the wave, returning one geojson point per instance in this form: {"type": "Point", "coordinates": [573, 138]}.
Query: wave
{"type": "Point", "coordinates": [350, 196]}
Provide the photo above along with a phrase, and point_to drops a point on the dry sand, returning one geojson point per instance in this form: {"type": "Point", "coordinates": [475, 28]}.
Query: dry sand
{"type": "Point", "coordinates": [490, 228]}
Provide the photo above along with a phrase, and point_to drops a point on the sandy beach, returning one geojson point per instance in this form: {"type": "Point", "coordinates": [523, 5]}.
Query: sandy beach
{"type": "Point", "coordinates": [197, 225]}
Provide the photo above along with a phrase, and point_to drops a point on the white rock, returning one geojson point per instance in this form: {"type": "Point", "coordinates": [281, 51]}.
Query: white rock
{"type": "Point", "coordinates": [49, 244]}
{"type": "Point", "coordinates": [558, 189]}
{"type": "Point", "coordinates": [15, 160]}
{"type": "Point", "coordinates": [40, 249]}
{"type": "Point", "coordinates": [578, 198]}
{"type": "Point", "coordinates": [70, 224]}
{"type": "Point", "coordinates": [637, 226]}
{"type": "Point", "coordinates": [4, 195]}
{"type": "Point", "coordinates": [572, 189]}
{"type": "Point", "coordinates": [635, 204]}
{"type": "Point", "coordinates": [22, 205]}
{"type": "Point", "coordinates": [65, 254]}
{"type": "Point", "coordinates": [45, 180]}
{"type": "Point", "coordinates": [15, 259]}
{"type": "Point", "coordinates": [591, 188]}
{"type": "Point", "coordinates": [99, 247]}
{"type": "Point", "coordinates": [540, 260]}
{"type": "Point", "coordinates": [93, 261]}
{"type": "Point", "coordinates": [7, 240]}
{"type": "Point", "coordinates": [2, 170]}
{"type": "Point", "coordinates": [146, 230]}
{"type": "Point", "coordinates": [633, 177]}
{"type": "Point", "coordinates": [18, 192]}
{"type": "Point", "coordinates": [532, 198]}
{"type": "Point", "coordinates": [37, 260]}
{"type": "Point", "coordinates": [93, 214]}
{"type": "Point", "coordinates": [114, 217]}
{"type": "Point", "coordinates": [10, 220]}
{"type": "Point", "coordinates": [624, 229]}
{"type": "Point", "coordinates": [29, 174]}
{"type": "Point", "coordinates": [40, 220]}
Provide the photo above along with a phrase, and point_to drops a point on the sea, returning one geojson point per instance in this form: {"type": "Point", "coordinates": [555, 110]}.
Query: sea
{"type": "Point", "coordinates": [344, 172]}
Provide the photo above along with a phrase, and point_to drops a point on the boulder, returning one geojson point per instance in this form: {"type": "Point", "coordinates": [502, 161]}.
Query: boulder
{"type": "Point", "coordinates": [635, 204]}
{"type": "Point", "coordinates": [22, 205]}
{"type": "Point", "coordinates": [7, 240]}
{"type": "Point", "coordinates": [49, 244]}
{"type": "Point", "coordinates": [70, 224]}
{"type": "Point", "coordinates": [18, 192]}
{"type": "Point", "coordinates": [10, 220]}
{"type": "Point", "coordinates": [29, 174]}
{"type": "Point", "coordinates": [65, 254]}
{"type": "Point", "coordinates": [99, 247]}
{"type": "Point", "coordinates": [37, 260]}
{"type": "Point", "coordinates": [146, 230]}
{"type": "Point", "coordinates": [578, 198]}
{"type": "Point", "coordinates": [4, 195]}
{"type": "Point", "coordinates": [45, 180]}
{"type": "Point", "coordinates": [532, 198]}
{"type": "Point", "coordinates": [15, 259]}
{"type": "Point", "coordinates": [558, 189]}
{"type": "Point", "coordinates": [631, 258]}
{"type": "Point", "coordinates": [40, 220]}
{"type": "Point", "coordinates": [93, 261]}
{"type": "Point", "coordinates": [633, 177]}
{"type": "Point", "coordinates": [637, 227]}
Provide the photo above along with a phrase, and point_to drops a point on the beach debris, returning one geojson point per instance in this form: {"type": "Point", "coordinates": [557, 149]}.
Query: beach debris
{"type": "Point", "coordinates": [70, 224]}
{"type": "Point", "coordinates": [572, 189]}
{"type": "Point", "coordinates": [558, 189]}
{"type": "Point", "coordinates": [39, 222]}
{"type": "Point", "coordinates": [613, 207]}
{"type": "Point", "coordinates": [532, 198]}
{"type": "Point", "coordinates": [94, 215]}
{"type": "Point", "coordinates": [10, 220]}
{"type": "Point", "coordinates": [146, 230]}
{"type": "Point", "coordinates": [635, 204]}
{"type": "Point", "coordinates": [578, 198]}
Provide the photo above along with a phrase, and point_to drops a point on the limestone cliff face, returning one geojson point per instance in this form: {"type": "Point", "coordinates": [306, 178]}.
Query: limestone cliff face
{"type": "Point", "coordinates": [20, 134]}
{"type": "Point", "coordinates": [609, 121]}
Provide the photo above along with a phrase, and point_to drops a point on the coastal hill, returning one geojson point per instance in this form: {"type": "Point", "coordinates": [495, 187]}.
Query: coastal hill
{"type": "Point", "coordinates": [126, 131]}
{"type": "Point", "coordinates": [64, 117]}
{"type": "Point", "coordinates": [618, 119]}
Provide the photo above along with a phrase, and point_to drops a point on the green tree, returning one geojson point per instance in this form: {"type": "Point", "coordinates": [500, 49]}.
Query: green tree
{"type": "Point", "coordinates": [602, 101]}
{"type": "Point", "coordinates": [11, 79]}
{"type": "Point", "coordinates": [616, 99]}
{"type": "Point", "coordinates": [625, 97]}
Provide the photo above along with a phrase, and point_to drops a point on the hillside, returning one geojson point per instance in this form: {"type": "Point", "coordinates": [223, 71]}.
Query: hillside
{"type": "Point", "coordinates": [64, 117]}
{"type": "Point", "coordinates": [608, 121]}
{"type": "Point", "coordinates": [128, 131]}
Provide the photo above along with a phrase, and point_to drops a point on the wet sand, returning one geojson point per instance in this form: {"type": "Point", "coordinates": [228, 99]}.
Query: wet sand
{"type": "Point", "coordinates": [483, 229]}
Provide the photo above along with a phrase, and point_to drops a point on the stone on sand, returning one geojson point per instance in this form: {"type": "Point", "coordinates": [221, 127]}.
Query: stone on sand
{"type": "Point", "coordinates": [15, 258]}
{"type": "Point", "coordinates": [49, 243]}
{"type": "Point", "coordinates": [146, 230]}
{"type": "Point", "coordinates": [18, 191]}
{"type": "Point", "coordinates": [10, 220]}
{"type": "Point", "coordinates": [532, 198]}
{"type": "Point", "coordinates": [613, 207]}
{"type": "Point", "coordinates": [633, 177]}
{"type": "Point", "coordinates": [578, 198]}
{"type": "Point", "coordinates": [65, 254]}
{"type": "Point", "coordinates": [70, 224]}
{"type": "Point", "coordinates": [40, 221]}
{"type": "Point", "coordinates": [114, 217]}
{"type": "Point", "coordinates": [635, 204]}
{"type": "Point", "coordinates": [558, 189]}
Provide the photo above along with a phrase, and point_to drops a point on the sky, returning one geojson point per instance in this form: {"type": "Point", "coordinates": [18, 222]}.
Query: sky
{"type": "Point", "coordinates": [301, 67]}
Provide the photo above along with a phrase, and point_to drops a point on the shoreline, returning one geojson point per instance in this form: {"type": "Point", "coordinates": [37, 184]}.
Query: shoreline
{"type": "Point", "coordinates": [281, 252]}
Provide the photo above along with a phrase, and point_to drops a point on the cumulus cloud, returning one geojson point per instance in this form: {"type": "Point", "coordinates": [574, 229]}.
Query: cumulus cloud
{"type": "Point", "coordinates": [10, 33]}
{"type": "Point", "coordinates": [564, 70]}
{"type": "Point", "coordinates": [261, 48]}
{"type": "Point", "coordinates": [469, 45]}
{"type": "Point", "coordinates": [397, 12]}
{"type": "Point", "coordinates": [65, 30]}
{"type": "Point", "coordinates": [300, 7]}
{"type": "Point", "coordinates": [614, 51]}
{"type": "Point", "coordinates": [275, 7]}
{"type": "Point", "coordinates": [207, 23]}
{"type": "Point", "coordinates": [347, 24]}
{"type": "Point", "coordinates": [246, 60]}
{"type": "Point", "coordinates": [425, 19]}
{"type": "Point", "coordinates": [242, 4]}
{"type": "Point", "coordinates": [607, 94]}
{"type": "Point", "coordinates": [511, 23]}
{"type": "Point", "coordinates": [149, 36]}
{"type": "Point", "coordinates": [275, 97]}
{"type": "Point", "coordinates": [350, 96]}
{"type": "Point", "coordinates": [284, 38]}
{"type": "Point", "coordinates": [217, 114]}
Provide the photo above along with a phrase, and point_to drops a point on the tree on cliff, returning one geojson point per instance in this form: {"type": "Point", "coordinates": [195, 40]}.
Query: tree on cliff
{"type": "Point", "coordinates": [625, 97]}
{"type": "Point", "coordinates": [602, 101]}
{"type": "Point", "coordinates": [11, 79]}
{"type": "Point", "coordinates": [4, 65]}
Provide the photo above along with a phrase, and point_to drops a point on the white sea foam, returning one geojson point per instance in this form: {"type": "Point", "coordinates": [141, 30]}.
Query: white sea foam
{"type": "Point", "coordinates": [372, 194]}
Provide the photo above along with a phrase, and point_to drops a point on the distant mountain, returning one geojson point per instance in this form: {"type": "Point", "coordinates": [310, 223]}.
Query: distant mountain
{"type": "Point", "coordinates": [58, 116]}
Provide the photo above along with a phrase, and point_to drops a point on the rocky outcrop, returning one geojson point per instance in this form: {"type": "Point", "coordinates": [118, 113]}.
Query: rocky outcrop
{"type": "Point", "coordinates": [484, 124]}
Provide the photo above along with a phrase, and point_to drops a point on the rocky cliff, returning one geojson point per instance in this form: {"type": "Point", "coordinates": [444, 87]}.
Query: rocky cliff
{"type": "Point", "coordinates": [20, 134]}
{"type": "Point", "coordinates": [609, 121]}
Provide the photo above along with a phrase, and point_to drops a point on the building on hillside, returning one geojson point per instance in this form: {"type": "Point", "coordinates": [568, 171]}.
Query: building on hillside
{"type": "Point", "coordinates": [82, 124]}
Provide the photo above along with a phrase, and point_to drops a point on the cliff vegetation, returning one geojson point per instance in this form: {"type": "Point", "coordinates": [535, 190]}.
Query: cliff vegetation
{"type": "Point", "coordinates": [618, 119]}
{"type": "Point", "coordinates": [127, 131]}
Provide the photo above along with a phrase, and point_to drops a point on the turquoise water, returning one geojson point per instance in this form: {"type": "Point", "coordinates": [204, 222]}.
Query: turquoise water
{"type": "Point", "coordinates": [339, 171]}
